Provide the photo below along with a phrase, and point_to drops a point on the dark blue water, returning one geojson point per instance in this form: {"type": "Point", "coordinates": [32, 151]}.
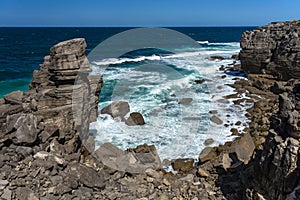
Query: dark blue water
{"type": "Point", "coordinates": [23, 49]}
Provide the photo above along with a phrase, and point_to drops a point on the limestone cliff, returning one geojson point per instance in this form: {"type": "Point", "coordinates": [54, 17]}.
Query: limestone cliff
{"type": "Point", "coordinates": [272, 49]}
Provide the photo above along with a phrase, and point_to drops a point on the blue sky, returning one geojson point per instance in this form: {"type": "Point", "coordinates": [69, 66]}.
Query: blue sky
{"type": "Point", "coordinates": [146, 12]}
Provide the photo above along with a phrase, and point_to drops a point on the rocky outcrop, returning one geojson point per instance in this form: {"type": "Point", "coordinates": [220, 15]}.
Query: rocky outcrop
{"type": "Point", "coordinates": [272, 49]}
{"type": "Point", "coordinates": [272, 53]}
{"type": "Point", "coordinates": [136, 160]}
{"type": "Point", "coordinates": [280, 156]}
{"type": "Point", "coordinates": [41, 128]}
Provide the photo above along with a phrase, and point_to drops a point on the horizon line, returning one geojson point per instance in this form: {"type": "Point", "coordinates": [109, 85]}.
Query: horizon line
{"type": "Point", "coordinates": [171, 26]}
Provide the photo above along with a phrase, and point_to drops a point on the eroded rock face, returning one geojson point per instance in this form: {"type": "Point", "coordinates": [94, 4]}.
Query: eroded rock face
{"type": "Point", "coordinates": [281, 154]}
{"type": "Point", "coordinates": [272, 49]}
{"type": "Point", "coordinates": [41, 133]}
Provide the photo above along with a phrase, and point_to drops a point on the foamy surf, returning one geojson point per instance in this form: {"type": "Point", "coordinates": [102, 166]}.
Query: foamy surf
{"type": "Point", "coordinates": [153, 85]}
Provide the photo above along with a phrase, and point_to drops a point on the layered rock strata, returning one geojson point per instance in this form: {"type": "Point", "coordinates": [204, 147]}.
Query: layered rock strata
{"type": "Point", "coordinates": [272, 49]}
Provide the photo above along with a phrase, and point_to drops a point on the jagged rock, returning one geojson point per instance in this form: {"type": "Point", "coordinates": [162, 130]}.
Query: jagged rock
{"type": "Point", "coordinates": [185, 101]}
{"type": "Point", "coordinates": [6, 194]}
{"type": "Point", "coordinates": [26, 127]}
{"type": "Point", "coordinates": [208, 153]}
{"type": "Point", "coordinates": [116, 109]}
{"type": "Point", "coordinates": [7, 109]}
{"type": "Point", "coordinates": [86, 175]}
{"type": "Point", "coordinates": [278, 87]}
{"type": "Point", "coordinates": [133, 160]}
{"type": "Point", "coordinates": [14, 98]}
{"type": "Point", "coordinates": [134, 119]}
{"type": "Point", "coordinates": [235, 56]}
{"type": "Point", "coordinates": [183, 164]}
{"type": "Point", "coordinates": [244, 148]}
{"type": "Point", "coordinates": [3, 184]}
{"type": "Point", "coordinates": [272, 49]}
{"type": "Point", "coordinates": [287, 121]}
{"type": "Point", "coordinates": [24, 193]}
{"type": "Point", "coordinates": [202, 173]}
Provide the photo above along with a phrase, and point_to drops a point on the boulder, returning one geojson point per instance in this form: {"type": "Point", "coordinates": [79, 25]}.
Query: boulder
{"type": "Point", "coordinates": [217, 58]}
{"type": "Point", "coordinates": [24, 193]}
{"type": "Point", "coordinates": [185, 101]}
{"type": "Point", "coordinates": [200, 81]}
{"type": "Point", "coordinates": [86, 175]}
{"type": "Point", "coordinates": [208, 153]}
{"type": "Point", "coordinates": [208, 141]}
{"type": "Point", "coordinates": [202, 173]}
{"type": "Point", "coordinates": [183, 164]}
{"type": "Point", "coordinates": [26, 127]}
{"type": "Point", "coordinates": [136, 160]}
{"type": "Point", "coordinates": [14, 98]}
{"type": "Point", "coordinates": [244, 148]}
{"type": "Point", "coordinates": [135, 119]}
{"type": "Point", "coordinates": [116, 109]}
{"type": "Point", "coordinates": [216, 120]}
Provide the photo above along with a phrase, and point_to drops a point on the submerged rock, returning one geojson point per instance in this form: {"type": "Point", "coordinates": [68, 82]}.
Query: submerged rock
{"type": "Point", "coordinates": [217, 58]}
{"type": "Point", "coordinates": [208, 141]}
{"type": "Point", "coordinates": [185, 101]}
{"type": "Point", "coordinates": [216, 120]}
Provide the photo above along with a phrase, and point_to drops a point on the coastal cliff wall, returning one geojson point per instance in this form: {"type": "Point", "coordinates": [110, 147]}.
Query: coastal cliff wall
{"type": "Point", "coordinates": [272, 49]}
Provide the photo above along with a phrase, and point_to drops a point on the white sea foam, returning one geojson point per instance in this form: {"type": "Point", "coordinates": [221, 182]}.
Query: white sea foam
{"type": "Point", "coordinates": [203, 42]}
{"type": "Point", "coordinates": [176, 130]}
{"type": "Point", "coordinates": [114, 61]}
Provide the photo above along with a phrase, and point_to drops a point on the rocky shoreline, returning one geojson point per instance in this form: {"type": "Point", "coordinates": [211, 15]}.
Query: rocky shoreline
{"type": "Point", "coordinates": [44, 156]}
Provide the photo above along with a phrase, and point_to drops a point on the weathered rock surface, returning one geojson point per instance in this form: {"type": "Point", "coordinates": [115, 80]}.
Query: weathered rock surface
{"type": "Point", "coordinates": [272, 49]}
{"type": "Point", "coordinates": [45, 145]}
{"type": "Point", "coordinates": [185, 101]}
{"type": "Point", "coordinates": [135, 119]}
{"type": "Point", "coordinates": [116, 109]}
{"type": "Point", "coordinates": [136, 160]}
{"type": "Point", "coordinates": [215, 119]}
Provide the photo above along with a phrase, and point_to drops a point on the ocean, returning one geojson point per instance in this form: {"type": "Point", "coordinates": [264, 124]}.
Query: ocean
{"type": "Point", "coordinates": [176, 130]}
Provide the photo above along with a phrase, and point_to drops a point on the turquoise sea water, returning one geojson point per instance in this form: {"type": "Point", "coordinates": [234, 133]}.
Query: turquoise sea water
{"type": "Point", "coordinates": [23, 49]}
{"type": "Point", "coordinates": [151, 80]}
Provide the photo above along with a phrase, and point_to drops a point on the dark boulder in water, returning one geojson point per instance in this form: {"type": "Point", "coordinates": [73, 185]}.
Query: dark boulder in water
{"type": "Point", "coordinates": [185, 101]}
{"type": "Point", "coordinates": [216, 120]}
{"type": "Point", "coordinates": [208, 141]}
{"type": "Point", "coordinates": [217, 58]}
{"type": "Point", "coordinates": [135, 119]}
